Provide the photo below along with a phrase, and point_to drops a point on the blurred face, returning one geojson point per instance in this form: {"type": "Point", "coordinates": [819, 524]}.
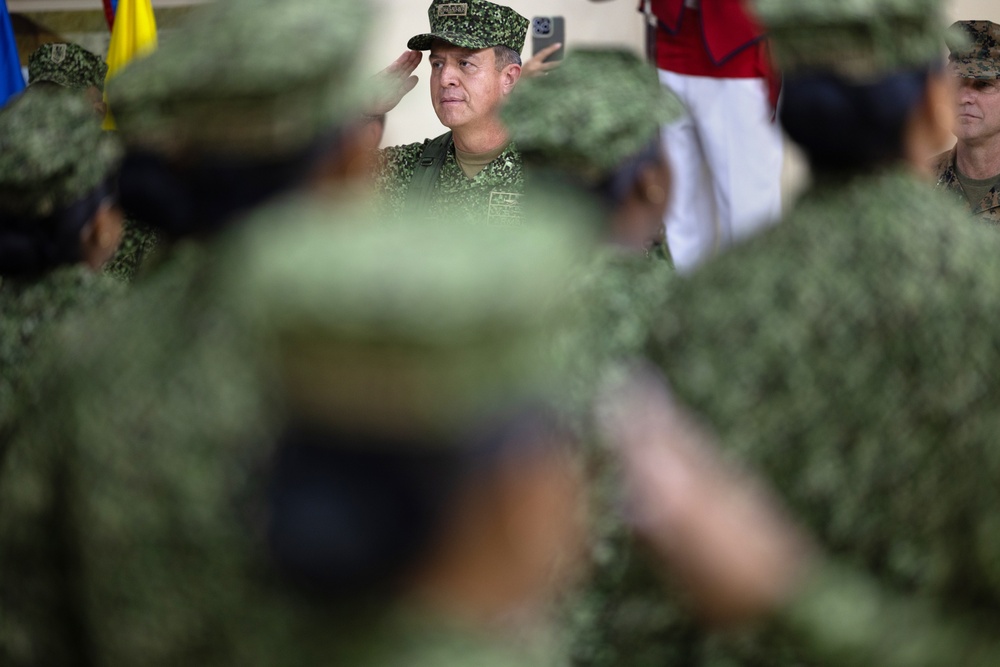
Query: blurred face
{"type": "Point", "coordinates": [466, 88]}
{"type": "Point", "coordinates": [977, 112]}
{"type": "Point", "coordinates": [94, 95]}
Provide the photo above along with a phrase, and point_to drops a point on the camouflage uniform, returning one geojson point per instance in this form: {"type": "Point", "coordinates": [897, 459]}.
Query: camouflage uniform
{"type": "Point", "coordinates": [493, 196]}
{"type": "Point", "coordinates": [168, 375]}
{"type": "Point", "coordinates": [841, 355]}
{"type": "Point", "coordinates": [977, 59]}
{"type": "Point", "coordinates": [74, 67]}
{"type": "Point", "coordinates": [164, 522]}
{"type": "Point", "coordinates": [52, 154]}
{"type": "Point", "coordinates": [576, 134]}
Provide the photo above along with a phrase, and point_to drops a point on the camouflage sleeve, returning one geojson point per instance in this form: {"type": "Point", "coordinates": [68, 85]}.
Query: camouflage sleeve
{"type": "Point", "coordinates": [138, 242]}
{"type": "Point", "coordinates": [841, 618]}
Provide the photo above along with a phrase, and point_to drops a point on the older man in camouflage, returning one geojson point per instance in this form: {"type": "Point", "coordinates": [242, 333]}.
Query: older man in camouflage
{"type": "Point", "coordinates": [972, 168]}
{"type": "Point", "coordinates": [475, 63]}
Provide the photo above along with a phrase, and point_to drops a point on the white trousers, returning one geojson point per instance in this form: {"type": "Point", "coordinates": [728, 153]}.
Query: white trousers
{"type": "Point", "coordinates": [726, 158]}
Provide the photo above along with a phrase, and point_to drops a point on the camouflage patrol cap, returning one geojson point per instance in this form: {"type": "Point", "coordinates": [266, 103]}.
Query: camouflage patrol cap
{"type": "Point", "coordinates": [975, 49]}
{"type": "Point", "coordinates": [249, 78]}
{"type": "Point", "coordinates": [67, 65]}
{"type": "Point", "coordinates": [599, 108]}
{"type": "Point", "coordinates": [473, 24]}
{"type": "Point", "coordinates": [855, 39]}
{"type": "Point", "coordinates": [427, 342]}
{"type": "Point", "coordinates": [52, 152]}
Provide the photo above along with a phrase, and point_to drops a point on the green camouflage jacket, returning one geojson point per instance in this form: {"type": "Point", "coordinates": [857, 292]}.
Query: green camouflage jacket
{"type": "Point", "coordinates": [132, 501]}
{"type": "Point", "coordinates": [848, 355]}
{"type": "Point", "coordinates": [607, 617]}
{"type": "Point", "coordinates": [129, 463]}
{"type": "Point", "coordinates": [28, 308]}
{"type": "Point", "coordinates": [492, 197]}
{"type": "Point", "coordinates": [988, 210]}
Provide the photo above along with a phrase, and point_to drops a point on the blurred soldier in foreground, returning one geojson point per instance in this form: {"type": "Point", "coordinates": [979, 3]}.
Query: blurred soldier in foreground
{"type": "Point", "coordinates": [742, 562]}
{"type": "Point", "coordinates": [475, 57]}
{"type": "Point", "coordinates": [972, 168]}
{"type": "Point", "coordinates": [590, 136]}
{"type": "Point", "coordinates": [415, 506]}
{"type": "Point", "coordinates": [214, 128]}
{"type": "Point", "coordinates": [843, 353]}
{"type": "Point", "coordinates": [59, 223]}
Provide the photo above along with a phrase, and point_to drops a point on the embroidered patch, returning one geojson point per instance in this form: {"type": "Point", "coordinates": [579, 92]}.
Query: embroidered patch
{"type": "Point", "coordinates": [505, 209]}
{"type": "Point", "coordinates": [58, 53]}
{"type": "Point", "coordinates": [453, 9]}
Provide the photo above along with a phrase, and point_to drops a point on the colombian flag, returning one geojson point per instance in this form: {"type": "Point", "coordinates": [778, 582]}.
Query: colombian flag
{"type": "Point", "coordinates": [11, 80]}
{"type": "Point", "coordinates": [133, 36]}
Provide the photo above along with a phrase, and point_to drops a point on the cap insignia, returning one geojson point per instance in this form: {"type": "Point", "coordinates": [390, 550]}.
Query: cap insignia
{"type": "Point", "coordinates": [453, 9]}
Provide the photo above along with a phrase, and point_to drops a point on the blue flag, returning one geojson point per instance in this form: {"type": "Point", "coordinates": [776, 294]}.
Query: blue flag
{"type": "Point", "coordinates": [11, 80]}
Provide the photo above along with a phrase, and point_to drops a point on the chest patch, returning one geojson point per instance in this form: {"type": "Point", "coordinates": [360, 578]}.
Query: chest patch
{"type": "Point", "coordinates": [505, 209]}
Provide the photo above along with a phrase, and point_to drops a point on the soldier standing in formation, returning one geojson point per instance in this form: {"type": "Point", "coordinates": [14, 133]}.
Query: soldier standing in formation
{"type": "Point", "coordinates": [59, 223]}
{"type": "Point", "coordinates": [475, 60]}
{"type": "Point", "coordinates": [846, 352]}
{"type": "Point", "coordinates": [972, 168]}
{"type": "Point", "coordinates": [73, 67]}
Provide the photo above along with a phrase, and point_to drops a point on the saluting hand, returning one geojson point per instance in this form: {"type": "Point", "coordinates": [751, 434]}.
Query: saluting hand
{"type": "Point", "coordinates": [394, 82]}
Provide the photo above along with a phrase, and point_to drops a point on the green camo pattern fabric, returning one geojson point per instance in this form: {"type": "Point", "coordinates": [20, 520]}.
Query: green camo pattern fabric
{"type": "Point", "coordinates": [31, 308]}
{"type": "Point", "coordinates": [975, 49]}
{"type": "Point", "coordinates": [598, 108]}
{"type": "Point", "coordinates": [133, 497]}
{"type": "Point", "coordinates": [67, 65]}
{"type": "Point", "coordinates": [472, 24]}
{"type": "Point", "coordinates": [987, 209]}
{"type": "Point", "coordinates": [136, 247]}
{"type": "Point", "coordinates": [847, 356]}
{"type": "Point", "coordinates": [493, 197]}
{"type": "Point", "coordinates": [52, 152]}
{"type": "Point", "coordinates": [135, 411]}
{"type": "Point", "coordinates": [857, 39]}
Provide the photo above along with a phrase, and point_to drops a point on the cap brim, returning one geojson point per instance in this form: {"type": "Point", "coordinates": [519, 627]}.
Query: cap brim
{"type": "Point", "coordinates": [986, 70]}
{"type": "Point", "coordinates": [423, 42]}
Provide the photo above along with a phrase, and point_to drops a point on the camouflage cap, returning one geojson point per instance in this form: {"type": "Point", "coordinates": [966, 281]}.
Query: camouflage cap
{"type": "Point", "coordinates": [427, 341]}
{"type": "Point", "coordinates": [52, 152]}
{"type": "Point", "coordinates": [246, 78]}
{"type": "Point", "coordinates": [856, 39]}
{"type": "Point", "coordinates": [975, 49]}
{"type": "Point", "coordinates": [599, 108]}
{"type": "Point", "coordinates": [67, 65]}
{"type": "Point", "coordinates": [473, 24]}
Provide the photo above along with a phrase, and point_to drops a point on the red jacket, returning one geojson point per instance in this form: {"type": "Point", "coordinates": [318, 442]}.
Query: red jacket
{"type": "Point", "coordinates": [725, 25]}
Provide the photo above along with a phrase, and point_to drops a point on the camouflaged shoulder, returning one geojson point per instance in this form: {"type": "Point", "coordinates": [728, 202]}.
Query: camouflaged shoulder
{"type": "Point", "coordinates": [800, 359]}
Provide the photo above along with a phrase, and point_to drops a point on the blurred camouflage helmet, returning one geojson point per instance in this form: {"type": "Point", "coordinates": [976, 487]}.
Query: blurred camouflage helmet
{"type": "Point", "coordinates": [52, 152]}
{"type": "Point", "coordinates": [473, 24]}
{"type": "Point", "coordinates": [67, 65]}
{"type": "Point", "coordinates": [424, 343]}
{"type": "Point", "coordinates": [250, 78]}
{"type": "Point", "coordinates": [975, 49]}
{"type": "Point", "coordinates": [855, 39]}
{"type": "Point", "coordinates": [599, 108]}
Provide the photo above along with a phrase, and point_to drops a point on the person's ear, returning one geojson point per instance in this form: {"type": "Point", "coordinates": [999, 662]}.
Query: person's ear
{"type": "Point", "coordinates": [509, 78]}
{"type": "Point", "coordinates": [100, 237]}
{"type": "Point", "coordinates": [349, 161]}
